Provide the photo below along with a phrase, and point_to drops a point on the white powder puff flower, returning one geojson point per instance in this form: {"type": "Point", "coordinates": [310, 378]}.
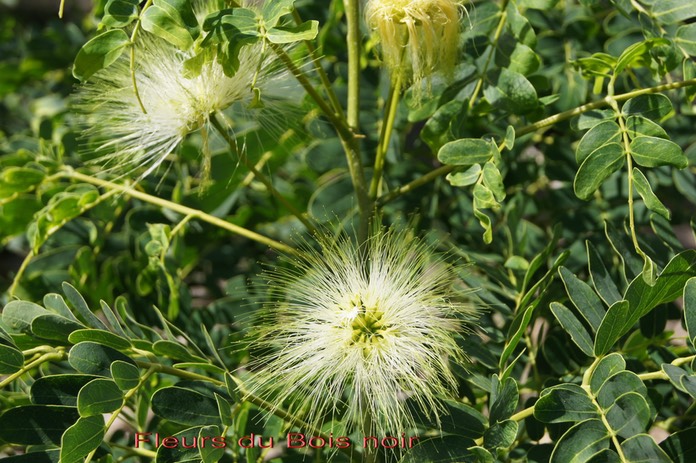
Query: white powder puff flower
{"type": "Point", "coordinates": [124, 137]}
{"type": "Point", "coordinates": [417, 37]}
{"type": "Point", "coordinates": [357, 330]}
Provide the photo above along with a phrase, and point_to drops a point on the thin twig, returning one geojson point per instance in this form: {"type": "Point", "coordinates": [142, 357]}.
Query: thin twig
{"type": "Point", "coordinates": [215, 121]}
{"type": "Point", "coordinates": [183, 210]}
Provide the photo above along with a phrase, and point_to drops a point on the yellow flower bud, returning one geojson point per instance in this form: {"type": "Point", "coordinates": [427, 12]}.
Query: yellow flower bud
{"type": "Point", "coordinates": [418, 37]}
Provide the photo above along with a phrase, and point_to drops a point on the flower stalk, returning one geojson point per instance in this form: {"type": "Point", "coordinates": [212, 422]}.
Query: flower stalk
{"type": "Point", "coordinates": [385, 136]}
{"type": "Point", "coordinates": [215, 121]}
{"type": "Point", "coordinates": [348, 139]}
{"type": "Point", "coordinates": [183, 210]}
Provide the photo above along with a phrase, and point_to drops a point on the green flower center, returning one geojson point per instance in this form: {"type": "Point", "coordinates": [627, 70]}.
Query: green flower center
{"type": "Point", "coordinates": [368, 324]}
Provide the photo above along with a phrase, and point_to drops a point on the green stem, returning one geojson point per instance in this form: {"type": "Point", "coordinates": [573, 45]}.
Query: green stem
{"type": "Point", "coordinates": [215, 121]}
{"type": "Point", "coordinates": [61, 9]}
{"type": "Point", "coordinates": [57, 355]}
{"type": "Point", "coordinates": [521, 415]}
{"type": "Point", "coordinates": [159, 368]}
{"type": "Point", "coordinates": [339, 123]}
{"type": "Point", "coordinates": [352, 8]}
{"type": "Point", "coordinates": [353, 42]}
{"type": "Point", "coordinates": [489, 59]}
{"type": "Point", "coordinates": [420, 181]}
{"type": "Point", "coordinates": [586, 378]}
{"type": "Point", "coordinates": [20, 273]}
{"type": "Point", "coordinates": [384, 137]}
{"type": "Point", "coordinates": [326, 83]}
{"type": "Point", "coordinates": [565, 115]}
{"type": "Point", "coordinates": [614, 439]}
{"type": "Point", "coordinates": [133, 37]}
{"type": "Point", "coordinates": [547, 122]}
{"type": "Point", "coordinates": [177, 228]}
{"type": "Point", "coordinates": [183, 210]}
{"type": "Point", "coordinates": [629, 165]}
{"type": "Point", "coordinates": [38, 350]}
{"type": "Point", "coordinates": [654, 375]}
{"type": "Point", "coordinates": [346, 135]}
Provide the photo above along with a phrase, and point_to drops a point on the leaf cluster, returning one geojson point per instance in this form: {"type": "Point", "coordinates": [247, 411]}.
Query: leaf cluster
{"type": "Point", "coordinates": [558, 160]}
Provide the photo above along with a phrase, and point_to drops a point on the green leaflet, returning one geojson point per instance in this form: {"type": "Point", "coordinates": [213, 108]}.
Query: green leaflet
{"type": "Point", "coordinates": [612, 401]}
{"type": "Point", "coordinates": [81, 438]}
{"type": "Point", "coordinates": [185, 406]}
{"type": "Point", "coordinates": [172, 20]}
{"type": "Point", "coordinates": [99, 53]}
{"type": "Point", "coordinates": [99, 396]}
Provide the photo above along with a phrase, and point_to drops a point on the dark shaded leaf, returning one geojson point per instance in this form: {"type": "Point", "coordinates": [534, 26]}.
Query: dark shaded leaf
{"type": "Point", "coordinates": [504, 399]}
{"type": "Point", "coordinates": [58, 389]}
{"type": "Point", "coordinates": [652, 202]}
{"type": "Point", "coordinates": [573, 327]}
{"type": "Point", "coordinates": [654, 106]}
{"type": "Point", "coordinates": [607, 367]}
{"type": "Point", "coordinates": [120, 13]}
{"type": "Point", "coordinates": [643, 449]}
{"type": "Point", "coordinates": [617, 385]}
{"type": "Point", "coordinates": [102, 337]}
{"type": "Point", "coordinates": [681, 446]}
{"type": "Point", "coordinates": [581, 442]}
{"type": "Point", "coordinates": [306, 31]}
{"type": "Point", "coordinates": [612, 327]}
{"type": "Point", "coordinates": [601, 280]}
{"type": "Point", "coordinates": [500, 435]}
{"type": "Point", "coordinates": [596, 168]}
{"type": "Point", "coordinates": [79, 303]}
{"type": "Point", "coordinates": [447, 449]}
{"type": "Point", "coordinates": [690, 308]}
{"type": "Point", "coordinates": [174, 350]}
{"type": "Point", "coordinates": [564, 403]}
{"type": "Point", "coordinates": [583, 298]}
{"type": "Point", "coordinates": [628, 415]}
{"type": "Point", "coordinates": [172, 20]}
{"type": "Point", "coordinates": [11, 359]}
{"type": "Point", "coordinates": [18, 315]}
{"type": "Point", "coordinates": [519, 93]}
{"type": "Point", "coordinates": [54, 327]}
{"type": "Point", "coordinates": [81, 438]}
{"type": "Point", "coordinates": [185, 406]}
{"type": "Point", "coordinates": [599, 135]}
{"type": "Point", "coordinates": [95, 359]}
{"type": "Point", "coordinates": [125, 375]}
{"type": "Point", "coordinates": [36, 424]}
{"type": "Point", "coordinates": [99, 396]}
{"type": "Point", "coordinates": [655, 152]}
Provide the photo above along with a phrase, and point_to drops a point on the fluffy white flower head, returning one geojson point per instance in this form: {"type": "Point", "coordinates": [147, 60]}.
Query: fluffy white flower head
{"type": "Point", "coordinates": [176, 102]}
{"type": "Point", "coordinates": [360, 329]}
